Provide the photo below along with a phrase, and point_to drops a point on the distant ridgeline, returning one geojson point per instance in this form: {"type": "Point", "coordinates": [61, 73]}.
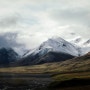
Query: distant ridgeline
{"type": "Point", "coordinates": [52, 50]}
{"type": "Point", "coordinates": [7, 56]}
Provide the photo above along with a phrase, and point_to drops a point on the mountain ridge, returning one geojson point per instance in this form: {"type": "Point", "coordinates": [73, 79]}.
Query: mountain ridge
{"type": "Point", "coordinates": [7, 56]}
{"type": "Point", "coordinates": [53, 50]}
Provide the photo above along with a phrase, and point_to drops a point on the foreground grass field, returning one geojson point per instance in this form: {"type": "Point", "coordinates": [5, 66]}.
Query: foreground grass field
{"type": "Point", "coordinates": [51, 81]}
{"type": "Point", "coordinates": [60, 81]}
{"type": "Point", "coordinates": [79, 77]}
{"type": "Point", "coordinates": [71, 74]}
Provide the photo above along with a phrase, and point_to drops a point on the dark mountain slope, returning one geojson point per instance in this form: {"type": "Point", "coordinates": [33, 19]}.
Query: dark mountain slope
{"type": "Point", "coordinates": [7, 56]}
{"type": "Point", "coordinates": [47, 58]}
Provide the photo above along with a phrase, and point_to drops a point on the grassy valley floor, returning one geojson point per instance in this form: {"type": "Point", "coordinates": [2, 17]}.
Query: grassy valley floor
{"type": "Point", "coordinates": [68, 75]}
{"type": "Point", "coordinates": [42, 80]}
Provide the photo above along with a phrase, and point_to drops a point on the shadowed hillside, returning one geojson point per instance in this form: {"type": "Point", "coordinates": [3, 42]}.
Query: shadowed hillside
{"type": "Point", "coordinates": [77, 64]}
{"type": "Point", "coordinates": [72, 74]}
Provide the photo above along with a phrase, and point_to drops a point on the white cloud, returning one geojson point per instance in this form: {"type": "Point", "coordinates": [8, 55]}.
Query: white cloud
{"type": "Point", "coordinates": [37, 20]}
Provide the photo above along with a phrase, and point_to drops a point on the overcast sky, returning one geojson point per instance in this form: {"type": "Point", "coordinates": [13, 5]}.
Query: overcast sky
{"type": "Point", "coordinates": [26, 23]}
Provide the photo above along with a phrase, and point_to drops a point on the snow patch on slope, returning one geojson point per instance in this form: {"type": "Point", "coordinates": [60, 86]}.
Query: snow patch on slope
{"type": "Point", "coordinates": [55, 44]}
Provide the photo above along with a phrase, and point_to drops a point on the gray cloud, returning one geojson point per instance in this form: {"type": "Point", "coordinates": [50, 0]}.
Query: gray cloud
{"type": "Point", "coordinates": [72, 16]}
{"type": "Point", "coordinates": [9, 21]}
{"type": "Point", "coordinates": [27, 23]}
{"type": "Point", "coordinates": [77, 18]}
{"type": "Point", "coordinates": [10, 40]}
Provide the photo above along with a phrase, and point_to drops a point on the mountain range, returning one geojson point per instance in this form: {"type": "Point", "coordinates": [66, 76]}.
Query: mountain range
{"type": "Point", "coordinates": [81, 42]}
{"type": "Point", "coordinates": [55, 49]}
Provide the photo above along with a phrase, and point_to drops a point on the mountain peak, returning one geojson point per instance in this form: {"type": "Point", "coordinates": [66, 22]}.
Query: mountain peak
{"type": "Point", "coordinates": [56, 38]}
{"type": "Point", "coordinates": [55, 44]}
{"type": "Point", "coordinates": [77, 40]}
{"type": "Point", "coordinates": [87, 42]}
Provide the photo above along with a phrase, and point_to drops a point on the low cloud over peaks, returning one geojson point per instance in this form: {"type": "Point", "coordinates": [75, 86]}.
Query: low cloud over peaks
{"type": "Point", "coordinates": [30, 22]}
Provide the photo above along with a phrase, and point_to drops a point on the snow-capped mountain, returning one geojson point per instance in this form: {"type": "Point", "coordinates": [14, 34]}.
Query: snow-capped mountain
{"type": "Point", "coordinates": [75, 47]}
{"type": "Point", "coordinates": [7, 56]}
{"type": "Point", "coordinates": [87, 43]}
{"type": "Point", "coordinates": [53, 50]}
{"type": "Point", "coordinates": [55, 45]}
{"type": "Point", "coordinates": [77, 40]}
{"type": "Point", "coordinates": [82, 43]}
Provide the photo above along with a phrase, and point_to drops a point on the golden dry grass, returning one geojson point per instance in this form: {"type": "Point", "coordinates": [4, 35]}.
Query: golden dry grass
{"type": "Point", "coordinates": [66, 66]}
